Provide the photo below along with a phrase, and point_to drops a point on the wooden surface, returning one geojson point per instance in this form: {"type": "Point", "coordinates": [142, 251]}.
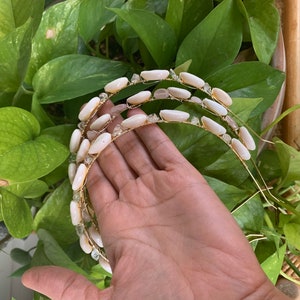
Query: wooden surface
{"type": "Point", "coordinates": [291, 33]}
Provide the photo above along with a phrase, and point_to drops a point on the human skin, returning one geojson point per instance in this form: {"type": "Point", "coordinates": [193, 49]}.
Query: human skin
{"type": "Point", "coordinates": [166, 233]}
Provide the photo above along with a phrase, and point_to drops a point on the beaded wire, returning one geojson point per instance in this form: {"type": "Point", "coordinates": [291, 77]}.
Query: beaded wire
{"type": "Point", "coordinates": [91, 138]}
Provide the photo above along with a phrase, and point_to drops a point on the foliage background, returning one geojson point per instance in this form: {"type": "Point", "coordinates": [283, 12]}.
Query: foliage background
{"type": "Point", "coordinates": [56, 56]}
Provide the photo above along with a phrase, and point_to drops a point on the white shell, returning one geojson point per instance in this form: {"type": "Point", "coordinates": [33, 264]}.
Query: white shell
{"type": "Point", "coordinates": [85, 244]}
{"type": "Point", "coordinates": [79, 177]}
{"type": "Point", "coordinates": [179, 93]}
{"type": "Point", "coordinates": [83, 150]}
{"type": "Point", "coordinates": [240, 149]}
{"type": "Point", "coordinates": [75, 140]}
{"type": "Point", "coordinates": [215, 107]}
{"type": "Point", "coordinates": [139, 98]}
{"type": "Point", "coordinates": [95, 235]}
{"type": "Point", "coordinates": [116, 85]}
{"type": "Point", "coordinates": [105, 265]}
{"type": "Point", "coordinates": [174, 115]}
{"type": "Point", "coordinates": [100, 143]}
{"type": "Point", "coordinates": [221, 96]}
{"type": "Point", "coordinates": [196, 100]}
{"type": "Point", "coordinates": [161, 94]}
{"type": "Point", "coordinates": [71, 171]}
{"type": "Point", "coordinates": [75, 213]}
{"type": "Point", "coordinates": [246, 138]}
{"type": "Point", "coordinates": [100, 122]}
{"type": "Point", "coordinates": [88, 109]}
{"type": "Point", "coordinates": [155, 74]}
{"type": "Point", "coordinates": [134, 121]}
{"type": "Point", "coordinates": [192, 80]}
{"type": "Point", "coordinates": [213, 126]}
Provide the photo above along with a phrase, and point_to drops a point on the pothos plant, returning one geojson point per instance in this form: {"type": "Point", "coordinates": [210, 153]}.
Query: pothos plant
{"type": "Point", "coordinates": [55, 57]}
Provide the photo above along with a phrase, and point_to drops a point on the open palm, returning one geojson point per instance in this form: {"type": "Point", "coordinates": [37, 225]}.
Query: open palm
{"type": "Point", "coordinates": [166, 234]}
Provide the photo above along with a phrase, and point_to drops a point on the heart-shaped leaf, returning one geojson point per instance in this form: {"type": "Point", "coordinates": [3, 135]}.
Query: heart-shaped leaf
{"type": "Point", "coordinates": [74, 75]}
{"type": "Point", "coordinates": [24, 155]}
{"type": "Point", "coordinates": [207, 44]}
{"type": "Point", "coordinates": [160, 40]}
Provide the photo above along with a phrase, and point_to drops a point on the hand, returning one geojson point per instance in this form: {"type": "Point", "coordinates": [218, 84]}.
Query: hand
{"type": "Point", "coordinates": [166, 233]}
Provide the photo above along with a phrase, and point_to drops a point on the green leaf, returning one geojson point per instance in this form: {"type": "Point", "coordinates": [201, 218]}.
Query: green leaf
{"type": "Point", "coordinates": [215, 42]}
{"type": "Point", "coordinates": [15, 50]}
{"type": "Point", "coordinates": [57, 35]}
{"type": "Point", "coordinates": [15, 13]}
{"type": "Point", "coordinates": [54, 216]}
{"type": "Point", "coordinates": [230, 195]}
{"type": "Point", "coordinates": [31, 189]}
{"type": "Point", "coordinates": [250, 80]}
{"type": "Point", "coordinates": [16, 214]}
{"type": "Point", "coordinates": [32, 159]}
{"type": "Point", "coordinates": [18, 125]}
{"type": "Point", "coordinates": [60, 133]}
{"type": "Point", "coordinates": [292, 234]}
{"type": "Point", "coordinates": [264, 22]}
{"type": "Point", "coordinates": [183, 16]}
{"type": "Point", "coordinates": [289, 159]}
{"type": "Point", "coordinates": [19, 272]}
{"type": "Point", "coordinates": [26, 156]}
{"type": "Point", "coordinates": [20, 256]}
{"type": "Point", "coordinates": [38, 111]}
{"type": "Point", "coordinates": [250, 215]}
{"type": "Point", "coordinates": [273, 264]}
{"type": "Point", "coordinates": [74, 75]}
{"type": "Point", "coordinates": [93, 15]}
{"type": "Point", "coordinates": [160, 41]}
{"type": "Point", "coordinates": [56, 254]}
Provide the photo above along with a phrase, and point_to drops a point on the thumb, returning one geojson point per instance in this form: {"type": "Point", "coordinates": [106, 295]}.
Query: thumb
{"type": "Point", "coordinates": [58, 283]}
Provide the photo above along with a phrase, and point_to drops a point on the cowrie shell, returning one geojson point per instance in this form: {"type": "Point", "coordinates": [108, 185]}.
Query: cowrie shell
{"type": "Point", "coordinates": [213, 126]}
{"type": "Point", "coordinates": [100, 143]}
{"type": "Point", "coordinates": [215, 107]}
{"type": "Point", "coordinates": [71, 171]}
{"type": "Point", "coordinates": [100, 122]}
{"type": "Point", "coordinates": [105, 265]}
{"type": "Point", "coordinates": [192, 80]}
{"type": "Point", "coordinates": [88, 109]}
{"type": "Point", "coordinates": [196, 100]}
{"type": "Point", "coordinates": [79, 177]}
{"type": "Point", "coordinates": [83, 150]}
{"type": "Point", "coordinates": [139, 98]}
{"type": "Point", "coordinates": [155, 74]}
{"type": "Point", "coordinates": [174, 115]}
{"type": "Point", "coordinates": [240, 149]}
{"type": "Point", "coordinates": [75, 213]}
{"type": "Point", "coordinates": [179, 93]}
{"type": "Point", "coordinates": [85, 244]}
{"type": "Point", "coordinates": [134, 121]}
{"type": "Point", "coordinates": [95, 235]}
{"type": "Point", "coordinates": [246, 138]}
{"type": "Point", "coordinates": [161, 94]}
{"type": "Point", "coordinates": [221, 96]}
{"type": "Point", "coordinates": [75, 140]}
{"type": "Point", "coordinates": [116, 85]}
